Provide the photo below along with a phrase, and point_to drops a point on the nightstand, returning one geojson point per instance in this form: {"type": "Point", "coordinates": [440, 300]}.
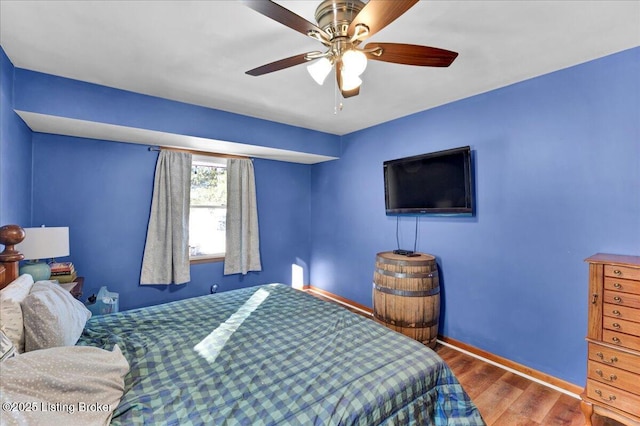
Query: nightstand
{"type": "Point", "coordinates": [76, 291]}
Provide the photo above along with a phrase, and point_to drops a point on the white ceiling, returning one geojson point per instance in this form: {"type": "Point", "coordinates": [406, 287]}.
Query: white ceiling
{"type": "Point", "coordinates": [198, 51]}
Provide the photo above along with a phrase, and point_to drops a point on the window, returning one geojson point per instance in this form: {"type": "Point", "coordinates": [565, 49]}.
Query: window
{"type": "Point", "coordinates": [208, 209]}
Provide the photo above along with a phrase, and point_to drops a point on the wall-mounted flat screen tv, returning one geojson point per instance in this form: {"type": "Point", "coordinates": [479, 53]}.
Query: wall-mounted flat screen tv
{"type": "Point", "coordinates": [437, 183]}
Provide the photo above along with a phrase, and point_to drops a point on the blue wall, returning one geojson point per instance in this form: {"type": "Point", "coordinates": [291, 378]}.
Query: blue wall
{"type": "Point", "coordinates": [102, 191]}
{"type": "Point", "coordinates": [57, 96]}
{"type": "Point", "coordinates": [557, 179]}
{"type": "Point", "coordinates": [557, 166]}
{"type": "Point", "coordinates": [15, 154]}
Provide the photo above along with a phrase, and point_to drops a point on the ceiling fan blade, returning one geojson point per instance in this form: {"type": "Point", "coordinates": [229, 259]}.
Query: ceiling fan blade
{"type": "Point", "coordinates": [411, 54]}
{"type": "Point", "coordinates": [286, 17]}
{"type": "Point", "coordinates": [377, 14]}
{"type": "Point", "coordinates": [279, 65]}
{"type": "Point", "coordinates": [349, 93]}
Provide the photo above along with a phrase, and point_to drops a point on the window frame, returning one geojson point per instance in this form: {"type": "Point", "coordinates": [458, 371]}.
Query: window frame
{"type": "Point", "coordinates": [210, 161]}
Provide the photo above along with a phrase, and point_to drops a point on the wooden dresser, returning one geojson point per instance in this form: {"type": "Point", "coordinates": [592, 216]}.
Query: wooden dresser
{"type": "Point", "coordinates": [613, 336]}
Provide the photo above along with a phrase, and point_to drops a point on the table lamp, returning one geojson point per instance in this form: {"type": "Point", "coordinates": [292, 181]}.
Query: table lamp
{"type": "Point", "coordinates": [42, 243]}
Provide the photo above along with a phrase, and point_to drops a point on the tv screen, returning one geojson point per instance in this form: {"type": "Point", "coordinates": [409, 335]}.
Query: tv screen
{"type": "Point", "coordinates": [439, 183]}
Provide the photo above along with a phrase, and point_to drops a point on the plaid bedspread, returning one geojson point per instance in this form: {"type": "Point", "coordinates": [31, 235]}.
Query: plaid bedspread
{"type": "Point", "coordinates": [285, 358]}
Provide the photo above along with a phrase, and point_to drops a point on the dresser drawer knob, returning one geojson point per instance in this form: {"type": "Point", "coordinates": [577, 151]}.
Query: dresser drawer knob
{"type": "Point", "coordinates": [611, 397]}
{"type": "Point", "coordinates": [617, 299]}
{"type": "Point", "coordinates": [615, 340]}
{"type": "Point", "coordinates": [601, 356]}
{"type": "Point", "coordinates": [616, 313]}
{"type": "Point", "coordinates": [618, 272]}
{"type": "Point", "coordinates": [616, 325]}
{"type": "Point", "coordinates": [611, 378]}
{"type": "Point", "coordinates": [617, 285]}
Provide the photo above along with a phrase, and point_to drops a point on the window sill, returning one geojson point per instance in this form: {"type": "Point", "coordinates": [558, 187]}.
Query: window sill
{"type": "Point", "coordinates": [206, 259]}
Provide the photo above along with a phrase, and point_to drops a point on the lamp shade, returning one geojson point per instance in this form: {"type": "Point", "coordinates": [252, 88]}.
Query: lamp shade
{"type": "Point", "coordinates": [44, 243]}
{"type": "Point", "coordinates": [355, 62]}
{"type": "Point", "coordinates": [320, 69]}
{"type": "Point", "coordinates": [350, 82]}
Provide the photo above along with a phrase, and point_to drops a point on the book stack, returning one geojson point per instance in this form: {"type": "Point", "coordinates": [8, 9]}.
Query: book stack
{"type": "Point", "coordinates": [63, 272]}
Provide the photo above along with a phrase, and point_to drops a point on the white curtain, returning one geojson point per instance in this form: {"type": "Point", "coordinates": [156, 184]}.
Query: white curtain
{"type": "Point", "coordinates": [243, 243]}
{"type": "Point", "coordinates": [166, 252]}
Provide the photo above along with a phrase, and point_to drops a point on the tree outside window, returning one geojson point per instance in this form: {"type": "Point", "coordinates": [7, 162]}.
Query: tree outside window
{"type": "Point", "coordinates": [208, 209]}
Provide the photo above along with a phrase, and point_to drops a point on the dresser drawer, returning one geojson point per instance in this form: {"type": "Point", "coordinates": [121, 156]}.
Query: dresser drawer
{"type": "Point", "coordinates": [627, 327]}
{"type": "Point", "coordinates": [614, 357]}
{"type": "Point", "coordinates": [621, 312]}
{"type": "Point", "coordinates": [615, 377]}
{"type": "Point", "coordinates": [622, 272]}
{"type": "Point", "coordinates": [613, 397]}
{"type": "Point", "coordinates": [621, 339]}
{"type": "Point", "coordinates": [618, 284]}
{"type": "Point", "coordinates": [623, 299]}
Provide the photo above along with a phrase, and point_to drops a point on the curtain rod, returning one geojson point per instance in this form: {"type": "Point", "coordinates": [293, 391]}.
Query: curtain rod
{"type": "Point", "coordinates": [196, 152]}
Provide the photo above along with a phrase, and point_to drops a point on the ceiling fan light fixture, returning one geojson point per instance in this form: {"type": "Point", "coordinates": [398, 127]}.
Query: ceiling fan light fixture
{"type": "Point", "coordinates": [350, 82]}
{"type": "Point", "coordinates": [342, 25]}
{"type": "Point", "coordinates": [320, 69]}
{"type": "Point", "coordinates": [354, 62]}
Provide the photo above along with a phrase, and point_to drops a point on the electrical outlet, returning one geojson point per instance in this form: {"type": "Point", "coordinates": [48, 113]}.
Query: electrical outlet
{"type": "Point", "coordinates": [214, 288]}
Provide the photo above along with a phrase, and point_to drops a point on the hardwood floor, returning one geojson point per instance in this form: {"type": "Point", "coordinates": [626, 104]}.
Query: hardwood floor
{"type": "Point", "coordinates": [508, 399]}
{"type": "Point", "coordinates": [504, 398]}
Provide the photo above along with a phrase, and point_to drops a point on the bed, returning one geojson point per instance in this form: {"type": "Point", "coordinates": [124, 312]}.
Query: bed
{"type": "Point", "coordinates": [267, 355]}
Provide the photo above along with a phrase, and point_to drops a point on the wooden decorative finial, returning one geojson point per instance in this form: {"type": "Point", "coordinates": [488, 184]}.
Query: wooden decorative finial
{"type": "Point", "coordinates": [10, 235]}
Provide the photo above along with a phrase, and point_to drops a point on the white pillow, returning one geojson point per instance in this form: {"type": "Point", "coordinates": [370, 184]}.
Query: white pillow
{"type": "Point", "coordinates": [52, 317]}
{"type": "Point", "coordinates": [10, 311]}
{"type": "Point", "coordinates": [7, 348]}
{"type": "Point", "coordinates": [71, 385]}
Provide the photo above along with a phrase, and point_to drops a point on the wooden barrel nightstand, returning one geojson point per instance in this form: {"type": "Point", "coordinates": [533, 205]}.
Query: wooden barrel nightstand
{"type": "Point", "coordinates": [406, 295]}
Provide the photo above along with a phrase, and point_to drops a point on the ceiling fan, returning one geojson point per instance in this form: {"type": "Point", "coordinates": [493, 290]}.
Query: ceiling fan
{"type": "Point", "coordinates": [342, 25]}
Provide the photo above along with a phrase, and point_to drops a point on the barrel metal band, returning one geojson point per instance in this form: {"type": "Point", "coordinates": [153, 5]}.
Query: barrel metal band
{"type": "Point", "coordinates": [407, 293]}
{"type": "Point", "coordinates": [406, 324]}
{"type": "Point", "coordinates": [432, 274]}
{"type": "Point", "coordinates": [405, 262]}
